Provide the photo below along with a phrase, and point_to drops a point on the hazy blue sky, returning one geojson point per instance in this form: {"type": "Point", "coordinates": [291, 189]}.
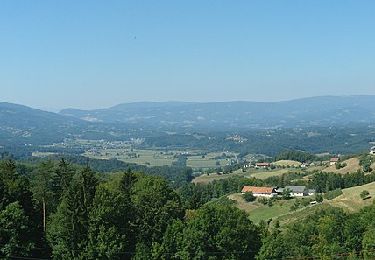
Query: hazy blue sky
{"type": "Point", "coordinates": [87, 54]}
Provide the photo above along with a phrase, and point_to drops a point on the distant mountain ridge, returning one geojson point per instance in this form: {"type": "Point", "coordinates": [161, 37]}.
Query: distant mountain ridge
{"type": "Point", "coordinates": [23, 125]}
{"type": "Point", "coordinates": [314, 111]}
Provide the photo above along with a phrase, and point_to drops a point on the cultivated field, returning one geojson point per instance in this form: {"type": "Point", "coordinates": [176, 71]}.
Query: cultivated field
{"type": "Point", "coordinates": [262, 174]}
{"type": "Point", "coordinates": [209, 161]}
{"type": "Point", "coordinates": [256, 173]}
{"type": "Point", "coordinates": [160, 157]}
{"type": "Point", "coordinates": [286, 163]}
{"type": "Point", "coordinates": [207, 178]}
{"type": "Point", "coordinates": [142, 157]}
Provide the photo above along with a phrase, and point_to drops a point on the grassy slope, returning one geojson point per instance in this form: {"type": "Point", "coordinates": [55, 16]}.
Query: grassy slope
{"type": "Point", "coordinates": [349, 201]}
{"type": "Point", "coordinates": [205, 179]}
{"type": "Point", "coordinates": [266, 174]}
{"type": "Point", "coordinates": [352, 166]}
{"type": "Point", "coordinates": [258, 211]}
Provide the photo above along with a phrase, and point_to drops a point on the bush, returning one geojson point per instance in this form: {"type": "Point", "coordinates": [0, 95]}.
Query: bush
{"type": "Point", "coordinates": [365, 161]}
{"type": "Point", "coordinates": [295, 205]}
{"type": "Point", "coordinates": [286, 194]}
{"type": "Point", "coordinates": [364, 194]}
{"type": "Point", "coordinates": [305, 202]}
{"type": "Point", "coordinates": [340, 165]}
{"type": "Point", "coordinates": [263, 200]}
{"type": "Point", "coordinates": [319, 198]}
{"type": "Point", "coordinates": [249, 197]}
{"type": "Point", "coordinates": [332, 194]}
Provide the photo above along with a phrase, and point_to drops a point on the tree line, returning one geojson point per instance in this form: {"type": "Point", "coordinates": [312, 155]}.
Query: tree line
{"type": "Point", "coordinates": [62, 211]}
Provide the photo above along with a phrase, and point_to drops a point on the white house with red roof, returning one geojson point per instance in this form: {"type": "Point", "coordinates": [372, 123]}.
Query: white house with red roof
{"type": "Point", "coordinates": [268, 192]}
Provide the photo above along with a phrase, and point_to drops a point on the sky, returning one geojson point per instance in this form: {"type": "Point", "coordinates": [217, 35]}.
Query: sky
{"type": "Point", "coordinates": [95, 54]}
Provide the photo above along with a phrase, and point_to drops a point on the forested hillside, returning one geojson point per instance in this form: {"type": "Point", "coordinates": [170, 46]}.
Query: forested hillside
{"type": "Point", "coordinates": [55, 209]}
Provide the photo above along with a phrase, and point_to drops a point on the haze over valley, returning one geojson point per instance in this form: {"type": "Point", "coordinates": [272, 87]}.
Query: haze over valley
{"type": "Point", "coordinates": [178, 130]}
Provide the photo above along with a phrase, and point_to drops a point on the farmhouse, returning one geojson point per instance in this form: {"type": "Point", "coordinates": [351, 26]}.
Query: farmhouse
{"type": "Point", "coordinates": [296, 191]}
{"type": "Point", "coordinates": [311, 192]}
{"type": "Point", "coordinates": [372, 150]}
{"type": "Point", "coordinates": [334, 160]}
{"type": "Point", "coordinates": [260, 191]}
{"type": "Point", "coordinates": [262, 165]}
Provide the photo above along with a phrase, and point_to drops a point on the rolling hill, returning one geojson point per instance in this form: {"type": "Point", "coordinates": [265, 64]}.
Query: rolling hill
{"type": "Point", "coordinates": [24, 125]}
{"type": "Point", "coordinates": [315, 111]}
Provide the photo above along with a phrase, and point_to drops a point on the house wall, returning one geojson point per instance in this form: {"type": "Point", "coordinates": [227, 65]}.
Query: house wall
{"type": "Point", "coordinates": [266, 195]}
{"type": "Point", "coordinates": [297, 194]}
{"type": "Point", "coordinates": [332, 163]}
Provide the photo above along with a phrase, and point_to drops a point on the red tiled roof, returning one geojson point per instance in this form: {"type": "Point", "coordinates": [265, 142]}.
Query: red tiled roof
{"type": "Point", "coordinates": [262, 164]}
{"type": "Point", "coordinates": [253, 189]}
{"type": "Point", "coordinates": [335, 159]}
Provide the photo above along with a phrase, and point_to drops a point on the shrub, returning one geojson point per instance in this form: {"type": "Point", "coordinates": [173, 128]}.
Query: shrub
{"type": "Point", "coordinates": [305, 202]}
{"type": "Point", "coordinates": [332, 194]}
{"type": "Point", "coordinates": [364, 194]}
{"type": "Point", "coordinates": [263, 200]}
{"type": "Point", "coordinates": [319, 198]}
{"type": "Point", "coordinates": [249, 197]}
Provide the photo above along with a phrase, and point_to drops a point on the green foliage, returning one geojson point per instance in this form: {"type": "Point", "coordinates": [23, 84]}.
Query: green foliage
{"type": "Point", "coordinates": [299, 156]}
{"type": "Point", "coordinates": [263, 200]}
{"type": "Point", "coordinates": [19, 222]}
{"type": "Point", "coordinates": [214, 232]}
{"type": "Point", "coordinates": [364, 194]}
{"type": "Point", "coordinates": [299, 203]}
{"type": "Point", "coordinates": [249, 197]}
{"type": "Point", "coordinates": [295, 205]}
{"type": "Point", "coordinates": [340, 165]}
{"type": "Point", "coordinates": [332, 194]}
{"type": "Point", "coordinates": [326, 234]}
{"type": "Point", "coordinates": [319, 198]}
{"type": "Point", "coordinates": [131, 215]}
{"type": "Point", "coordinates": [156, 206]}
{"type": "Point", "coordinates": [68, 231]}
{"type": "Point", "coordinates": [365, 161]}
{"type": "Point", "coordinates": [319, 235]}
{"type": "Point", "coordinates": [109, 226]}
{"type": "Point", "coordinates": [15, 234]}
{"type": "Point", "coordinates": [368, 243]}
{"type": "Point", "coordinates": [324, 182]}
{"type": "Point", "coordinates": [286, 194]}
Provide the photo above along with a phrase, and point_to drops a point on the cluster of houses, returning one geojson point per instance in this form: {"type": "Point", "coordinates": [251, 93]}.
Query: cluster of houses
{"type": "Point", "coordinates": [269, 192]}
{"type": "Point", "coordinates": [266, 165]}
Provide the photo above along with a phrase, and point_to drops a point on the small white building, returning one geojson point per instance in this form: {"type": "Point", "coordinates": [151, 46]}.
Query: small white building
{"type": "Point", "coordinates": [372, 150]}
{"type": "Point", "coordinates": [311, 192]}
{"type": "Point", "coordinates": [295, 191]}
{"type": "Point", "coordinates": [334, 160]}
